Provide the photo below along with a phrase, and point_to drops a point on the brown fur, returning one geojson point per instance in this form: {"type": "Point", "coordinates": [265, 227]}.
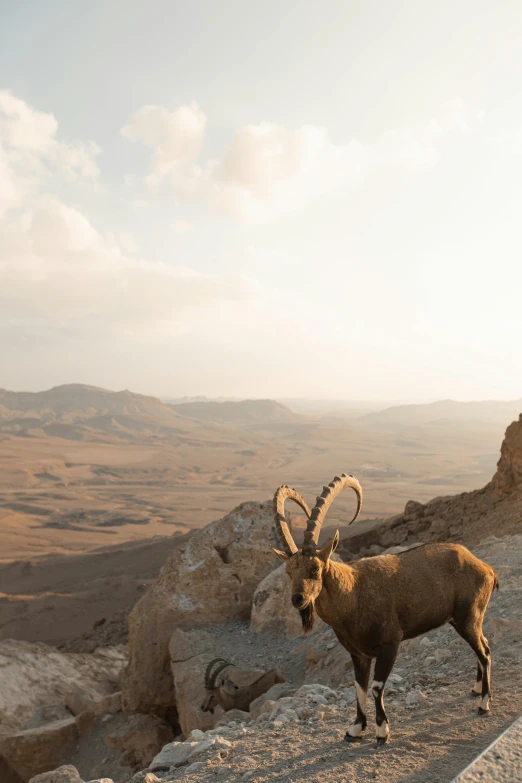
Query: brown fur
{"type": "Point", "coordinates": [373, 604]}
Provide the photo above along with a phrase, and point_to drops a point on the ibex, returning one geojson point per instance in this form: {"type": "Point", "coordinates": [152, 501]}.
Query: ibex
{"type": "Point", "coordinates": [373, 604]}
{"type": "Point", "coordinates": [230, 696]}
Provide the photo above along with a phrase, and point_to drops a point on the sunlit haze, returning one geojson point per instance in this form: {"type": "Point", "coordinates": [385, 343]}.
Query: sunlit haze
{"type": "Point", "coordinates": [263, 199]}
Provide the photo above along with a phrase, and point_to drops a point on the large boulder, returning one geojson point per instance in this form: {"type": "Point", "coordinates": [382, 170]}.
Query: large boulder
{"type": "Point", "coordinates": [35, 676]}
{"type": "Point", "coordinates": [509, 467]}
{"type": "Point", "coordinates": [37, 750]}
{"type": "Point", "coordinates": [272, 608]}
{"type": "Point", "coordinates": [190, 652]}
{"type": "Point", "coordinates": [211, 580]}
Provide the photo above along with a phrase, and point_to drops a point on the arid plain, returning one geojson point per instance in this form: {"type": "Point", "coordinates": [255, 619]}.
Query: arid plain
{"type": "Point", "coordinates": [98, 487]}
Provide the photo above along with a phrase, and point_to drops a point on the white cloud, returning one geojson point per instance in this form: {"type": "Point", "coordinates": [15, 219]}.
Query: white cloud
{"type": "Point", "coordinates": [30, 153]}
{"type": "Point", "coordinates": [57, 271]}
{"type": "Point", "coordinates": [176, 137]}
{"type": "Point", "coordinates": [181, 226]}
{"type": "Point", "coordinates": [269, 170]}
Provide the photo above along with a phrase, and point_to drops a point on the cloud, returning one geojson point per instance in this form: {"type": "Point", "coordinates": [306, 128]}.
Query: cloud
{"type": "Point", "coordinates": [181, 226]}
{"type": "Point", "coordinates": [57, 271]}
{"type": "Point", "coordinates": [269, 170]}
{"type": "Point", "coordinates": [176, 137]}
{"type": "Point", "coordinates": [31, 154]}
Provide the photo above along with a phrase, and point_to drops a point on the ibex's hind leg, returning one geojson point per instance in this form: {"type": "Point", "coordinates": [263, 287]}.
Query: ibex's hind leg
{"type": "Point", "coordinates": [361, 668]}
{"type": "Point", "coordinates": [472, 632]}
{"type": "Point", "coordinates": [477, 688]}
{"type": "Point", "coordinates": [383, 666]}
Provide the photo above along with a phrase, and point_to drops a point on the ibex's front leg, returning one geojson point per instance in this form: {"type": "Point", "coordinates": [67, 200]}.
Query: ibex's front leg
{"type": "Point", "coordinates": [383, 666]}
{"type": "Point", "coordinates": [361, 668]}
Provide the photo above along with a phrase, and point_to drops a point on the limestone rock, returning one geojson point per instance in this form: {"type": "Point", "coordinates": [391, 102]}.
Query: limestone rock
{"type": "Point", "coordinates": [509, 467]}
{"type": "Point", "coordinates": [190, 652]}
{"type": "Point", "coordinates": [413, 509]}
{"type": "Point", "coordinates": [272, 605]}
{"type": "Point", "coordinates": [65, 774]}
{"type": "Point", "coordinates": [233, 555]}
{"type": "Point", "coordinates": [37, 750]}
{"type": "Point", "coordinates": [140, 739]}
{"type": "Point", "coordinates": [237, 716]}
{"type": "Point", "coordinates": [178, 753]}
{"type": "Point", "coordinates": [172, 755]}
{"type": "Point", "coordinates": [35, 675]}
{"type": "Point", "coordinates": [276, 692]}
{"type": "Point", "coordinates": [439, 527]}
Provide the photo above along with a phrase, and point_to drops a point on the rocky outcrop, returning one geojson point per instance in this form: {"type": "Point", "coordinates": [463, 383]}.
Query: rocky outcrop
{"type": "Point", "coordinates": [35, 675]}
{"type": "Point", "coordinates": [212, 579]}
{"type": "Point", "coordinates": [42, 691]}
{"type": "Point", "coordinates": [509, 467]}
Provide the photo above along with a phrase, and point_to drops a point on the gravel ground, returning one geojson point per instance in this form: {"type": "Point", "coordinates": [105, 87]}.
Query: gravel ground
{"type": "Point", "coordinates": [501, 762]}
{"type": "Point", "coordinates": [435, 729]}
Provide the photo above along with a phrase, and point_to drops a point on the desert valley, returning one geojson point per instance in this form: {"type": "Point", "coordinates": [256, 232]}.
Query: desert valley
{"type": "Point", "coordinates": [114, 500]}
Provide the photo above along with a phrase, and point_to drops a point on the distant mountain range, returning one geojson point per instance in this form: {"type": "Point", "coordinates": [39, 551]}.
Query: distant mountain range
{"type": "Point", "coordinates": [72, 410]}
{"type": "Point", "coordinates": [444, 413]}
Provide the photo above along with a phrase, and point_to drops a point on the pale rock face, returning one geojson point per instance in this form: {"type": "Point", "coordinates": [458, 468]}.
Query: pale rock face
{"type": "Point", "coordinates": [509, 467]}
{"type": "Point", "coordinates": [233, 555]}
{"type": "Point", "coordinates": [272, 605]}
{"type": "Point", "coordinates": [65, 774]}
{"type": "Point", "coordinates": [140, 739]}
{"type": "Point", "coordinates": [190, 653]}
{"type": "Point", "coordinates": [35, 675]}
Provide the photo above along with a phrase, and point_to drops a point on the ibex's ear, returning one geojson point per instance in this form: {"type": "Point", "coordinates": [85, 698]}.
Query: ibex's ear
{"type": "Point", "coordinates": [281, 555]}
{"type": "Point", "coordinates": [326, 552]}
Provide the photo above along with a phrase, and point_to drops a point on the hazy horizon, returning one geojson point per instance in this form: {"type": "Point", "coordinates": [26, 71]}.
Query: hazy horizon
{"type": "Point", "coordinates": [262, 200]}
{"type": "Point", "coordinates": [287, 400]}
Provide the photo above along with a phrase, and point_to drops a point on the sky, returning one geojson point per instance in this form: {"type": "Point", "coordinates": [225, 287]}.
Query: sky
{"type": "Point", "coordinates": [262, 198]}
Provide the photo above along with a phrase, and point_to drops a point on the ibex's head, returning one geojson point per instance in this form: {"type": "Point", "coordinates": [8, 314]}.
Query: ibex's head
{"type": "Point", "coordinates": [306, 567]}
{"type": "Point", "coordinates": [212, 672]}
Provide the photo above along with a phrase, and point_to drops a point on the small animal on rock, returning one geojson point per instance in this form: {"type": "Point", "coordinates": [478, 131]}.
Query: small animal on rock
{"type": "Point", "coordinates": [225, 693]}
{"type": "Point", "coordinates": [373, 604]}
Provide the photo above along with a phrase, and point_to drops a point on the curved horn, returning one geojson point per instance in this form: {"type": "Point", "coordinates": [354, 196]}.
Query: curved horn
{"type": "Point", "coordinates": [211, 675]}
{"type": "Point", "coordinates": [322, 504]}
{"type": "Point", "coordinates": [283, 494]}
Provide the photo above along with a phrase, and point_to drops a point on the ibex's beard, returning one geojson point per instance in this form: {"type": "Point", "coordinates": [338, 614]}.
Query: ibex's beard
{"type": "Point", "coordinates": [308, 617]}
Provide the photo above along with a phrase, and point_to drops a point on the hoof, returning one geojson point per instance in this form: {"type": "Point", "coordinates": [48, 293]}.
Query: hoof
{"type": "Point", "coordinates": [349, 738]}
{"type": "Point", "coordinates": [475, 694]}
{"type": "Point", "coordinates": [482, 712]}
{"type": "Point", "coordinates": [382, 740]}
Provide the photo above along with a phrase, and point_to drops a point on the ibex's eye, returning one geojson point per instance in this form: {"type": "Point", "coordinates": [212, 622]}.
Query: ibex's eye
{"type": "Point", "coordinates": [316, 573]}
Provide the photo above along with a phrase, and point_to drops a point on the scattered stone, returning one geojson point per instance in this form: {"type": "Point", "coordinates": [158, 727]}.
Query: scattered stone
{"type": "Point", "coordinates": [415, 697]}
{"type": "Point", "coordinates": [65, 774]}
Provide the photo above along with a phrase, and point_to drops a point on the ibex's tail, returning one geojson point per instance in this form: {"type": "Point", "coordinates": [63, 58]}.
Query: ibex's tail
{"type": "Point", "coordinates": [496, 584]}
